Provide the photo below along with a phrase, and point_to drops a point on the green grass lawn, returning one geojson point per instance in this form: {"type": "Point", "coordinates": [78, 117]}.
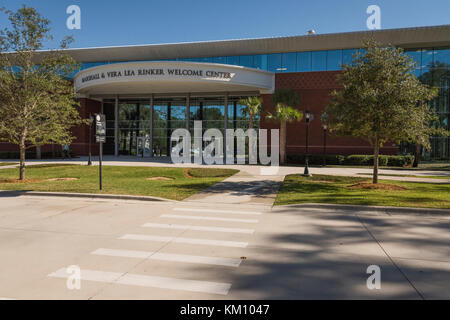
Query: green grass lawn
{"type": "Point", "coordinates": [333, 189]}
{"type": "Point", "coordinates": [4, 164]}
{"type": "Point", "coordinates": [116, 180]}
{"type": "Point", "coordinates": [405, 175]}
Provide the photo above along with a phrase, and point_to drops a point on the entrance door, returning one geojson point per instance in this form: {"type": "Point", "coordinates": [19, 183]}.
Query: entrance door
{"type": "Point", "coordinates": [134, 122]}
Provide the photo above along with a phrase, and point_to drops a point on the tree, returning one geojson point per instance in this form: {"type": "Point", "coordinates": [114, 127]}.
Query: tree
{"type": "Point", "coordinates": [37, 100]}
{"type": "Point", "coordinates": [284, 101]}
{"type": "Point", "coordinates": [382, 101]}
{"type": "Point", "coordinates": [252, 108]}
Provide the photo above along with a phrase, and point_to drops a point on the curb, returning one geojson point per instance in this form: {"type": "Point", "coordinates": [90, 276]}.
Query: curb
{"type": "Point", "coordinates": [83, 195]}
{"type": "Point", "coordinates": [386, 210]}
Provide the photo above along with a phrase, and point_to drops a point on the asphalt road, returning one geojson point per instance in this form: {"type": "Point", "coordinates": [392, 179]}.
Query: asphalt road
{"type": "Point", "coordinates": [208, 250]}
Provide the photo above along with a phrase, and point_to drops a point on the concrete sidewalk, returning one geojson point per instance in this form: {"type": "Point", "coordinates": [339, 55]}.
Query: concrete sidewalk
{"type": "Point", "coordinates": [196, 250]}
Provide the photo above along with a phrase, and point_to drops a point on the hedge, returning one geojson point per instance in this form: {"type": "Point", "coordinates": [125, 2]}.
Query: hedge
{"type": "Point", "coordinates": [353, 160]}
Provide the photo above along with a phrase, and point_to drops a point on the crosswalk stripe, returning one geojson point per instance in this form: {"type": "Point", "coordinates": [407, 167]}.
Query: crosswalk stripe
{"type": "Point", "coordinates": [197, 228]}
{"type": "Point", "coordinates": [149, 281]}
{"type": "Point", "coordinates": [208, 218]}
{"type": "Point", "coordinates": [227, 262]}
{"type": "Point", "coordinates": [217, 211]}
{"type": "Point", "coordinates": [184, 240]}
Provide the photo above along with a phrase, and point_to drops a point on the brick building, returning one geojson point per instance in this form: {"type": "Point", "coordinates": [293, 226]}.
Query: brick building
{"type": "Point", "coordinates": [147, 91]}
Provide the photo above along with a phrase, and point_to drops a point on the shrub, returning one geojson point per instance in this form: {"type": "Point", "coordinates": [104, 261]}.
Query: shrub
{"type": "Point", "coordinates": [315, 159]}
{"type": "Point", "coordinates": [400, 161]}
{"type": "Point", "coordinates": [353, 160]}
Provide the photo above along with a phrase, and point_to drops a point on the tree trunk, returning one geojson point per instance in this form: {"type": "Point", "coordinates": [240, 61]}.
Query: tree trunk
{"type": "Point", "coordinates": [417, 155]}
{"type": "Point", "coordinates": [38, 153]}
{"type": "Point", "coordinates": [22, 161]}
{"type": "Point", "coordinates": [250, 124]}
{"type": "Point", "coordinates": [376, 161]}
{"type": "Point", "coordinates": [283, 142]}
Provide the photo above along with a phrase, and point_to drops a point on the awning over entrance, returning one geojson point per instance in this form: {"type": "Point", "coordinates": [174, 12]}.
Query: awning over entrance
{"type": "Point", "coordinates": [145, 78]}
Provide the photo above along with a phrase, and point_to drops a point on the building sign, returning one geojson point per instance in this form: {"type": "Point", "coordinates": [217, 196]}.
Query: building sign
{"type": "Point", "coordinates": [176, 73]}
{"type": "Point", "coordinates": [133, 72]}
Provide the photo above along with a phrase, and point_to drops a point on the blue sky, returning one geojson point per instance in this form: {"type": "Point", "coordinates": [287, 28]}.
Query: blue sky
{"type": "Point", "coordinates": [113, 22]}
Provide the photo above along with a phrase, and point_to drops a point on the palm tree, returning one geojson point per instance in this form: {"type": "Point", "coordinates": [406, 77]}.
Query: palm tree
{"type": "Point", "coordinates": [284, 100]}
{"type": "Point", "coordinates": [252, 108]}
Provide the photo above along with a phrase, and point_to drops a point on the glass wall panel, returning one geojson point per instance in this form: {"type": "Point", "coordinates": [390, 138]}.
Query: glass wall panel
{"type": "Point", "coordinates": [304, 61]}
{"type": "Point", "coordinates": [260, 61]}
{"type": "Point", "coordinates": [274, 62]}
{"type": "Point", "coordinates": [347, 56]}
{"type": "Point", "coordinates": [246, 61]}
{"type": "Point", "coordinates": [427, 76]}
{"type": "Point", "coordinates": [289, 62]}
{"type": "Point", "coordinates": [319, 61]}
{"type": "Point", "coordinates": [442, 58]}
{"type": "Point", "coordinates": [222, 60]}
{"type": "Point", "coordinates": [213, 113]}
{"type": "Point", "coordinates": [334, 60]}
{"type": "Point", "coordinates": [427, 58]}
{"type": "Point", "coordinates": [108, 110]}
{"type": "Point", "coordinates": [234, 60]}
{"type": "Point", "coordinates": [160, 128]}
{"type": "Point", "coordinates": [177, 114]}
{"type": "Point", "coordinates": [416, 55]}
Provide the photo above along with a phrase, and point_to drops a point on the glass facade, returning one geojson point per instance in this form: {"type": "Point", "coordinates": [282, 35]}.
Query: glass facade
{"type": "Point", "coordinates": [136, 123]}
{"type": "Point", "coordinates": [432, 67]}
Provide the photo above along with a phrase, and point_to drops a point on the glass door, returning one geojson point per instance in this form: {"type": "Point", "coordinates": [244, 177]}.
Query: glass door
{"type": "Point", "coordinates": [134, 123]}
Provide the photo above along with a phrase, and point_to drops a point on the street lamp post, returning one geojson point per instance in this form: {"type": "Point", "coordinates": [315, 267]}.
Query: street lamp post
{"type": "Point", "coordinates": [91, 120]}
{"type": "Point", "coordinates": [325, 129]}
{"type": "Point", "coordinates": [324, 119]}
{"type": "Point", "coordinates": [308, 120]}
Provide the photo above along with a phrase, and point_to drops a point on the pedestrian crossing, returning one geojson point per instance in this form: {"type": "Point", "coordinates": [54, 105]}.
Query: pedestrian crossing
{"type": "Point", "coordinates": [197, 228]}
{"type": "Point", "coordinates": [203, 228]}
{"type": "Point", "coordinates": [148, 281]}
{"type": "Point", "coordinates": [227, 262]}
{"type": "Point", "coordinates": [174, 216]}
{"type": "Point", "coordinates": [217, 211]}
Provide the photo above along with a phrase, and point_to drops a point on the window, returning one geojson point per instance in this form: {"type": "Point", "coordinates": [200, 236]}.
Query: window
{"type": "Point", "coordinates": [234, 60]}
{"type": "Point", "coordinates": [222, 60]}
{"type": "Point", "coordinates": [289, 62]}
{"type": "Point", "coordinates": [347, 56]}
{"type": "Point", "coordinates": [334, 60]}
{"type": "Point", "coordinates": [416, 55]}
{"type": "Point", "coordinates": [246, 61]}
{"type": "Point", "coordinates": [304, 61]}
{"type": "Point", "coordinates": [319, 61]}
{"type": "Point", "coordinates": [442, 58]}
{"type": "Point", "coordinates": [427, 58]}
{"type": "Point", "coordinates": [274, 62]}
{"type": "Point", "coordinates": [260, 61]}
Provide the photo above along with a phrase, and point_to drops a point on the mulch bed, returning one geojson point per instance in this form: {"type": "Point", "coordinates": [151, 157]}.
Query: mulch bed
{"type": "Point", "coordinates": [160, 179]}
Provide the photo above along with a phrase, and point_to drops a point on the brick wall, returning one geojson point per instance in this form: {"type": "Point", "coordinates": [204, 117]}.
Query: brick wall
{"type": "Point", "coordinates": [315, 93]}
